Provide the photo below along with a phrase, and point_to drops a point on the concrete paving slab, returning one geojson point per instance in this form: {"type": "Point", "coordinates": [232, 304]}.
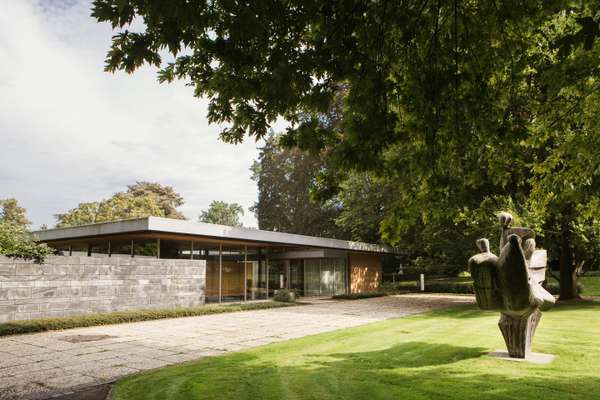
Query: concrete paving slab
{"type": "Point", "coordinates": [43, 365]}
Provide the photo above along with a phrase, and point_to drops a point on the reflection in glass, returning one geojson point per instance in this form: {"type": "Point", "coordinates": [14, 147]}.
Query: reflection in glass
{"type": "Point", "coordinates": [297, 277]}
{"type": "Point", "coordinates": [100, 249]}
{"type": "Point", "coordinates": [324, 277]}
{"type": "Point", "coordinates": [213, 276]}
{"type": "Point", "coordinates": [147, 248]}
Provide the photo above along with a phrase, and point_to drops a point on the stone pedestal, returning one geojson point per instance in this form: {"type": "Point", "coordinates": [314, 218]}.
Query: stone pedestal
{"type": "Point", "coordinates": [533, 358]}
{"type": "Point", "coordinates": [518, 332]}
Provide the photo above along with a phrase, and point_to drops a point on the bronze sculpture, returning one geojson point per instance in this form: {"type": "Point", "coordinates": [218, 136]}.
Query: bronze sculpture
{"type": "Point", "coordinates": [511, 283]}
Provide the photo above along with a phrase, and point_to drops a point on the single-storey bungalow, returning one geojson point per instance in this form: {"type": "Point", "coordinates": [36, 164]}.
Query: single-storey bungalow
{"type": "Point", "coordinates": [241, 263]}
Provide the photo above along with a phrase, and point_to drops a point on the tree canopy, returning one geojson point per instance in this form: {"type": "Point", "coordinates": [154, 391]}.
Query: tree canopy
{"type": "Point", "coordinates": [142, 199]}
{"type": "Point", "coordinates": [12, 212]}
{"type": "Point", "coordinates": [166, 197]}
{"type": "Point", "coordinates": [15, 239]}
{"type": "Point", "coordinates": [285, 179]}
{"type": "Point", "coordinates": [222, 213]}
{"type": "Point", "coordinates": [17, 242]}
{"type": "Point", "coordinates": [461, 105]}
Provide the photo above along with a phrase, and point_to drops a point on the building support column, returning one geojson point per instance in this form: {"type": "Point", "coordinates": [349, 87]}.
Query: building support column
{"type": "Point", "coordinates": [192, 250]}
{"type": "Point", "coordinates": [320, 277]}
{"type": "Point", "coordinates": [109, 249]}
{"type": "Point", "coordinates": [220, 273]}
{"type": "Point", "coordinates": [334, 277]}
{"type": "Point", "coordinates": [287, 274]}
{"type": "Point", "coordinates": [245, 272]}
{"type": "Point", "coordinates": [348, 275]}
{"type": "Point", "coordinates": [158, 248]}
{"type": "Point", "coordinates": [132, 252]}
{"type": "Point", "coordinates": [267, 276]}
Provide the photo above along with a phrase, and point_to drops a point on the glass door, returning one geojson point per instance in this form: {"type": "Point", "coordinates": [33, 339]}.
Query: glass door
{"type": "Point", "coordinates": [297, 277]}
{"type": "Point", "coordinates": [277, 276]}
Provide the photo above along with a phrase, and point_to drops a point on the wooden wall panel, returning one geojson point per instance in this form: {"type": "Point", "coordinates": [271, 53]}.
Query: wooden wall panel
{"type": "Point", "coordinates": [365, 272]}
{"type": "Point", "coordinates": [233, 278]}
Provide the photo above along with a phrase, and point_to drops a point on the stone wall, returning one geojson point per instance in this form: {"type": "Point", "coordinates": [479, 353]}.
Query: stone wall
{"type": "Point", "coordinates": [82, 285]}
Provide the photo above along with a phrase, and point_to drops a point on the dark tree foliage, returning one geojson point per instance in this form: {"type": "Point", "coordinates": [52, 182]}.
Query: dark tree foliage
{"type": "Point", "coordinates": [286, 179]}
{"type": "Point", "coordinates": [462, 103]}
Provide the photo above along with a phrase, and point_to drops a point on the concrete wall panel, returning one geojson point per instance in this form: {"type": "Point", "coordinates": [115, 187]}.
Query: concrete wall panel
{"type": "Point", "coordinates": [64, 286]}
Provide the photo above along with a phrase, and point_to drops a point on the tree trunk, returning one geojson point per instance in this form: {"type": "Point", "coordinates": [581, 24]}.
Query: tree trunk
{"type": "Point", "coordinates": [568, 278]}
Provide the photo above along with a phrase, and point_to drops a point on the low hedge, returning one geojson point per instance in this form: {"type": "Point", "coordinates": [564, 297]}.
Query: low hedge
{"type": "Point", "coordinates": [356, 296]}
{"type": "Point", "coordinates": [120, 317]}
{"type": "Point", "coordinates": [437, 286]}
{"type": "Point", "coordinates": [449, 287]}
{"type": "Point", "coordinates": [459, 287]}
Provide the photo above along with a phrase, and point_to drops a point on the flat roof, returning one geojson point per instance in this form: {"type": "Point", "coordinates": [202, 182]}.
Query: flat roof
{"type": "Point", "coordinates": [201, 229]}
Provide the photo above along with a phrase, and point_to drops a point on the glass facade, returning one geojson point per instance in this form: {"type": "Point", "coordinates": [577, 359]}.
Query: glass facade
{"type": "Point", "coordinates": [233, 272]}
{"type": "Point", "coordinates": [278, 275]}
{"type": "Point", "coordinates": [297, 276]}
{"type": "Point", "coordinates": [324, 277]}
{"type": "Point", "coordinates": [212, 291]}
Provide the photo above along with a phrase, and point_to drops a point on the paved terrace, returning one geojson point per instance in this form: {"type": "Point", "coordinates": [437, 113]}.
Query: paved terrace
{"type": "Point", "coordinates": [42, 365]}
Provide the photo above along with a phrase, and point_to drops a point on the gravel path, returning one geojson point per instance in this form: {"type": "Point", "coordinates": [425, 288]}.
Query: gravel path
{"type": "Point", "coordinates": [43, 365]}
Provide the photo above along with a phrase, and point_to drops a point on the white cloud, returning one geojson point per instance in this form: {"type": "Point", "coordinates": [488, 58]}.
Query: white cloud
{"type": "Point", "coordinates": [70, 132]}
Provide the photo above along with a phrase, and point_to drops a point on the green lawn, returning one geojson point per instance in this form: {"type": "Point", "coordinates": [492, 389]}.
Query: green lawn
{"type": "Point", "coordinates": [591, 285]}
{"type": "Point", "coordinates": [439, 355]}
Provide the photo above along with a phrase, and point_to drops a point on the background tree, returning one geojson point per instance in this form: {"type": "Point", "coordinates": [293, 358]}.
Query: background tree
{"type": "Point", "coordinates": [12, 212]}
{"type": "Point", "coordinates": [15, 239]}
{"type": "Point", "coordinates": [142, 199]}
{"type": "Point", "coordinates": [566, 180]}
{"type": "Point", "coordinates": [363, 203]}
{"type": "Point", "coordinates": [166, 197]}
{"type": "Point", "coordinates": [285, 179]}
{"type": "Point", "coordinates": [222, 213]}
{"type": "Point", "coordinates": [463, 104]}
{"type": "Point", "coordinates": [17, 242]}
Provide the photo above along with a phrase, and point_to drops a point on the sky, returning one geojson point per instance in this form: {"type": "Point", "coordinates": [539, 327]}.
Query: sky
{"type": "Point", "coordinates": [72, 133]}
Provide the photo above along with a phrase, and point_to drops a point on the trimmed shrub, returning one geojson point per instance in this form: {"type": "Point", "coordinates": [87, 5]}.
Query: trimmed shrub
{"type": "Point", "coordinates": [435, 286]}
{"type": "Point", "coordinates": [449, 287]}
{"type": "Point", "coordinates": [404, 286]}
{"type": "Point", "coordinates": [356, 296]}
{"type": "Point", "coordinates": [53, 324]}
{"type": "Point", "coordinates": [554, 288]}
{"type": "Point", "coordinates": [285, 296]}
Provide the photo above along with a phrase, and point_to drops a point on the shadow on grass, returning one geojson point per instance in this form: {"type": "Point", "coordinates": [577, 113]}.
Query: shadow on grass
{"type": "Point", "coordinates": [317, 376]}
{"type": "Point", "coordinates": [407, 355]}
{"type": "Point", "coordinates": [407, 370]}
{"type": "Point", "coordinates": [412, 370]}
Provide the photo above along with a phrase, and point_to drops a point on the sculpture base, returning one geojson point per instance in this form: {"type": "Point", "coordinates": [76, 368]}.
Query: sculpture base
{"type": "Point", "coordinates": [534, 358]}
{"type": "Point", "coordinates": [518, 332]}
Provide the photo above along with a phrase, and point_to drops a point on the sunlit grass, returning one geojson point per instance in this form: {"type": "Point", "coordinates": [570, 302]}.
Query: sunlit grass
{"type": "Point", "coordinates": [439, 355]}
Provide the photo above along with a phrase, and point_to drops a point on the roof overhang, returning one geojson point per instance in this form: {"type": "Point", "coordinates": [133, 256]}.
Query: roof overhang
{"type": "Point", "coordinates": [200, 229]}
